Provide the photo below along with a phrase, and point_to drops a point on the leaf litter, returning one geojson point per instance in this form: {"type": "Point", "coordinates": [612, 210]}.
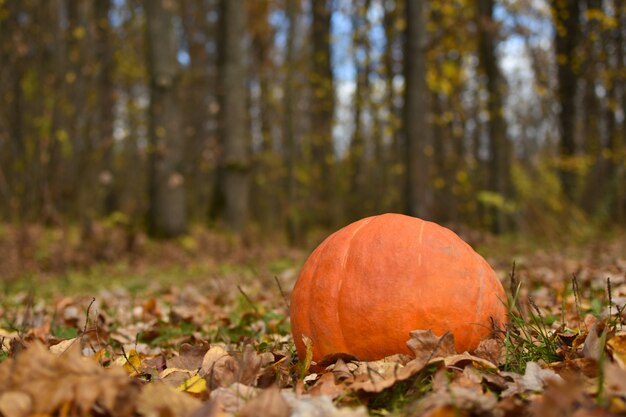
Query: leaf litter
{"type": "Point", "coordinates": [198, 350]}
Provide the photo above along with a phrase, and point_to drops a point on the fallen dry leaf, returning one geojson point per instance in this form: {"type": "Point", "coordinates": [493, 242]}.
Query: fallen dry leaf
{"type": "Point", "coordinates": [310, 378]}
{"type": "Point", "coordinates": [189, 357]}
{"type": "Point", "coordinates": [445, 411]}
{"type": "Point", "coordinates": [491, 350]}
{"type": "Point", "coordinates": [327, 385]}
{"type": "Point", "coordinates": [51, 381]}
{"type": "Point", "coordinates": [425, 345]}
{"type": "Point", "coordinates": [494, 380]}
{"type": "Point", "coordinates": [64, 345]}
{"type": "Point", "coordinates": [6, 336]}
{"type": "Point", "coordinates": [222, 369]}
{"type": "Point", "coordinates": [558, 399]}
{"type": "Point", "coordinates": [615, 380]}
{"type": "Point", "coordinates": [15, 404]}
{"type": "Point", "coordinates": [176, 376]}
{"type": "Point", "coordinates": [428, 348]}
{"type": "Point", "coordinates": [209, 359]}
{"type": "Point", "coordinates": [341, 372]}
{"type": "Point", "coordinates": [269, 403]}
{"type": "Point", "coordinates": [464, 359]}
{"type": "Point", "coordinates": [319, 406]}
{"type": "Point", "coordinates": [592, 347]}
{"type": "Point", "coordinates": [234, 397]}
{"type": "Point", "coordinates": [219, 368]}
{"type": "Point", "coordinates": [249, 362]}
{"type": "Point", "coordinates": [617, 348]}
{"type": "Point", "coordinates": [209, 409]}
{"type": "Point", "coordinates": [583, 366]}
{"type": "Point", "coordinates": [534, 380]}
{"type": "Point", "coordinates": [378, 378]}
{"type": "Point", "coordinates": [461, 394]}
{"type": "Point", "coordinates": [41, 332]}
{"type": "Point", "coordinates": [158, 400]}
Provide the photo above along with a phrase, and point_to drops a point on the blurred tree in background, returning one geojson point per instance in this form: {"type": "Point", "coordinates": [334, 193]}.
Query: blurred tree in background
{"type": "Point", "coordinates": [288, 116]}
{"type": "Point", "coordinates": [233, 171]}
{"type": "Point", "coordinates": [167, 210]}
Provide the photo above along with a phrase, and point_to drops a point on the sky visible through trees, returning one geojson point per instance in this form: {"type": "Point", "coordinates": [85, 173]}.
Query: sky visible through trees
{"type": "Point", "coordinates": [513, 54]}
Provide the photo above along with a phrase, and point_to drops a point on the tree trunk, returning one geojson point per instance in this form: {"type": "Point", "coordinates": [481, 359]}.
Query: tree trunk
{"type": "Point", "coordinates": [322, 110]}
{"type": "Point", "coordinates": [445, 203]}
{"type": "Point", "coordinates": [357, 163]}
{"type": "Point", "coordinates": [566, 19]}
{"type": "Point", "coordinates": [498, 177]}
{"type": "Point", "coordinates": [265, 197]}
{"type": "Point", "coordinates": [618, 142]}
{"type": "Point", "coordinates": [235, 161]}
{"type": "Point", "coordinates": [416, 126]}
{"type": "Point", "coordinates": [15, 146]}
{"type": "Point", "coordinates": [167, 211]}
{"type": "Point", "coordinates": [196, 90]}
{"type": "Point", "coordinates": [390, 62]}
{"type": "Point", "coordinates": [106, 101]}
{"type": "Point", "coordinates": [595, 189]}
{"type": "Point", "coordinates": [291, 154]}
{"type": "Point", "coordinates": [79, 160]}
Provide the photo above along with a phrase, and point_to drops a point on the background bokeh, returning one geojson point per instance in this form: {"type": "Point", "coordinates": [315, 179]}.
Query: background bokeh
{"type": "Point", "coordinates": [290, 116]}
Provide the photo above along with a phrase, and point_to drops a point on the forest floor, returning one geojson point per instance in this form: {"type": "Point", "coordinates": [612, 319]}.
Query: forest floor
{"type": "Point", "coordinates": [199, 327]}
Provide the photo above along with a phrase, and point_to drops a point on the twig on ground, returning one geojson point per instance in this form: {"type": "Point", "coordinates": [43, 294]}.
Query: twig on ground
{"type": "Point", "coordinates": [282, 293]}
{"type": "Point", "coordinates": [248, 299]}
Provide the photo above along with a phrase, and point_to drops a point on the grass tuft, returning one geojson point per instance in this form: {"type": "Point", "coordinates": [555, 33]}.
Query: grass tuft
{"type": "Point", "coordinates": [527, 337]}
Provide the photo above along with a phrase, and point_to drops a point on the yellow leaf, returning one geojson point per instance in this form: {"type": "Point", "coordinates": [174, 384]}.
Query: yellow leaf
{"type": "Point", "coordinates": [132, 363]}
{"type": "Point", "coordinates": [195, 385]}
{"type": "Point", "coordinates": [462, 177]}
{"type": "Point", "coordinates": [79, 32]}
{"type": "Point", "coordinates": [617, 405]}
{"type": "Point", "coordinates": [617, 347]}
{"type": "Point", "coordinates": [450, 69]}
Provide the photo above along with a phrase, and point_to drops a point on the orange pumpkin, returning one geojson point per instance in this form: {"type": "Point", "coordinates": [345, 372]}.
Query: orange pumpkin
{"type": "Point", "coordinates": [369, 284]}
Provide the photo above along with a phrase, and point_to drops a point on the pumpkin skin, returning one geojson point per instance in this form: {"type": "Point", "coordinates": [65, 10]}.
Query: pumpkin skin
{"type": "Point", "coordinates": [366, 286]}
